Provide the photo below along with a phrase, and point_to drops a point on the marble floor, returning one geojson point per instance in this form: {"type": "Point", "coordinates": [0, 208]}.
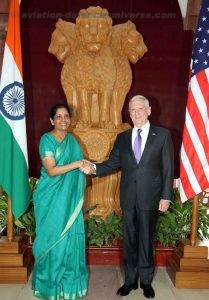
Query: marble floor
{"type": "Point", "coordinates": [103, 283]}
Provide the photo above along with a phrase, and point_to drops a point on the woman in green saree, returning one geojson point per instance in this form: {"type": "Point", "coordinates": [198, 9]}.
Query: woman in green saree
{"type": "Point", "coordinates": [59, 248]}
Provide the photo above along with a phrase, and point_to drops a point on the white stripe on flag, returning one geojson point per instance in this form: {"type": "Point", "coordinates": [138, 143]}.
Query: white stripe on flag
{"type": "Point", "coordinates": [181, 190]}
{"type": "Point", "coordinates": [8, 76]}
{"type": "Point", "coordinates": [188, 168]}
{"type": "Point", "coordinates": [195, 140]}
{"type": "Point", "coordinates": [207, 74]}
{"type": "Point", "coordinates": [200, 101]}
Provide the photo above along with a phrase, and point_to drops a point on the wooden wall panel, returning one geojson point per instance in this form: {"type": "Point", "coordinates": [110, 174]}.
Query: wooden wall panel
{"type": "Point", "coordinates": [191, 19]}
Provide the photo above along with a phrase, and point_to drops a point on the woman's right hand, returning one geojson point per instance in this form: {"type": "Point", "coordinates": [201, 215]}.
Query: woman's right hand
{"type": "Point", "coordinates": [81, 163]}
{"type": "Point", "coordinates": [87, 167]}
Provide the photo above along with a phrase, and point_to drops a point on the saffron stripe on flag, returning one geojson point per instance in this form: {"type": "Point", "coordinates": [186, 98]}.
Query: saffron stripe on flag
{"type": "Point", "coordinates": [13, 33]}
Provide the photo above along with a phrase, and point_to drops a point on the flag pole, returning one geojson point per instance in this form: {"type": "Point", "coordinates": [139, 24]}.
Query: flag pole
{"type": "Point", "coordinates": [193, 237]}
{"type": "Point", "coordinates": [9, 222]}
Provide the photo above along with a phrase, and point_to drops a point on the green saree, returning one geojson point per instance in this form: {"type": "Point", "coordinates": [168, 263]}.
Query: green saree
{"type": "Point", "coordinates": [59, 248]}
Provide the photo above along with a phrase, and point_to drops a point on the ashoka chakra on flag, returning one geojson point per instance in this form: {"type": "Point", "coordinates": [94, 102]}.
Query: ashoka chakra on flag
{"type": "Point", "coordinates": [12, 103]}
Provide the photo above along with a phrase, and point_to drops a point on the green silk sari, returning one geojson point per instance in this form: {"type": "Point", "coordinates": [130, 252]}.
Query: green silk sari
{"type": "Point", "coordinates": [59, 248]}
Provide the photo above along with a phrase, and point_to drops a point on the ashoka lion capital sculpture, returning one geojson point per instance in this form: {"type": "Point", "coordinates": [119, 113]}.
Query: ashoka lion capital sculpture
{"type": "Point", "coordinates": [96, 74]}
{"type": "Point", "coordinates": [96, 77]}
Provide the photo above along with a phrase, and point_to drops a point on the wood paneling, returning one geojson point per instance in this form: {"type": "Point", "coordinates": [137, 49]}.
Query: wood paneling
{"type": "Point", "coordinates": [193, 9]}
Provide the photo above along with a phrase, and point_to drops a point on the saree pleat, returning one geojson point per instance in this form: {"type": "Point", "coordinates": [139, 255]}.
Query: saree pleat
{"type": "Point", "coordinates": [59, 248]}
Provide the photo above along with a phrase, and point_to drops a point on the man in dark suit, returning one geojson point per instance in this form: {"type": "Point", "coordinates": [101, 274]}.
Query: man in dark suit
{"type": "Point", "coordinates": [145, 188]}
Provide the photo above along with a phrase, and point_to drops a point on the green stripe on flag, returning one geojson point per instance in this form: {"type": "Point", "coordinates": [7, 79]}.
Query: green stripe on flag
{"type": "Point", "coordinates": [13, 170]}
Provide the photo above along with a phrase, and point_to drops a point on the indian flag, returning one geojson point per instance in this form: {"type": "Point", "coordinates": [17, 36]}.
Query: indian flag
{"type": "Point", "coordinates": [13, 144]}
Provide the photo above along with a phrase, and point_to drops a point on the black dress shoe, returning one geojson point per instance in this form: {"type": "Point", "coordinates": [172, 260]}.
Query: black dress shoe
{"type": "Point", "coordinates": [125, 289]}
{"type": "Point", "coordinates": [148, 290]}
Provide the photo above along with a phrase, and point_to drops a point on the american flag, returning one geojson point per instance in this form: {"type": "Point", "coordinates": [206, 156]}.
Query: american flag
{"type": "Point", "coordinates": [194, 154]}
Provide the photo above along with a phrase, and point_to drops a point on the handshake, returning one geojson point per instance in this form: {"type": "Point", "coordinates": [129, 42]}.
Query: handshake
{"type": "Point", "coordinates": [87, 167]}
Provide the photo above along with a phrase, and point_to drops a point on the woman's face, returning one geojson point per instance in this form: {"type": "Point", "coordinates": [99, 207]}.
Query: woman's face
{"type": "Point", "coordinates": [61, 120]}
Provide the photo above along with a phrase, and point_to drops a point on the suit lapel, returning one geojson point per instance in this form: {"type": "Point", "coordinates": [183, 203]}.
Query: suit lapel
{"type": "Point", "coordinates": [129, 144]}
{"type": "Point", "coordinates": [129, 141]}
{"type": "Point", "coordinates": [151, 136]}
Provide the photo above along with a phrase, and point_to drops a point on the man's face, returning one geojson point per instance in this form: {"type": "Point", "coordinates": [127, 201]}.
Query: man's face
{"type": "Point", "coordinates": [139, 112]}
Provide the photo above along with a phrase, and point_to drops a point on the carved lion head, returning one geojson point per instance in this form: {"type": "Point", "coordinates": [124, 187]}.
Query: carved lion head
{"type": "Point", "coordinates": [93, 28]}
{"type": "Point", "coordinates": [132, 43]}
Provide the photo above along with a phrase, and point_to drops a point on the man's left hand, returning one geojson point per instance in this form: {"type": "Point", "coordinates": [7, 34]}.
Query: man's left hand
{"type": "Point", "coordinates": [164, 205]}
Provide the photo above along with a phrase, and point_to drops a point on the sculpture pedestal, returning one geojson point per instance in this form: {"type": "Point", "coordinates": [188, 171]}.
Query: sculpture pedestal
{"type": "Point", "coordinates": [189, 266]}
{"type": "Point", "coordinates": [101, 191]}
{"type": "Point", "coordinates": [16, 261]}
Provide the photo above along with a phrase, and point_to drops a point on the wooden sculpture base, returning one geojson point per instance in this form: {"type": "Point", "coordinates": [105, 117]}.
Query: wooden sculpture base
{"type": "Point", "coordinates": [189, 266]}
{"type": "Point", "coordinates": [16, 261]}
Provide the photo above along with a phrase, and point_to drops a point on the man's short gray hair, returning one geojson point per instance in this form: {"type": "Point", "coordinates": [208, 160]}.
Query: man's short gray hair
{"type": "Point", "coordinates": [140, 97]}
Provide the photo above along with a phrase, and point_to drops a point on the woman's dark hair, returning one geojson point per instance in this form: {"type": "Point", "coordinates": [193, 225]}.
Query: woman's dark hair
{"type": "Point", "coordinates": [55, 107]}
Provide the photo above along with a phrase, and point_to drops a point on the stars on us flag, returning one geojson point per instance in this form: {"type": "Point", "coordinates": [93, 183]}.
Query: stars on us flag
{"type": "Point", "coordinates": [200, 55]}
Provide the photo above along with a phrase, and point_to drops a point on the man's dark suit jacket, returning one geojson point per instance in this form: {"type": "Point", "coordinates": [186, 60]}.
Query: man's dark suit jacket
{"type": "Point", "coordinates": [145, 183]}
